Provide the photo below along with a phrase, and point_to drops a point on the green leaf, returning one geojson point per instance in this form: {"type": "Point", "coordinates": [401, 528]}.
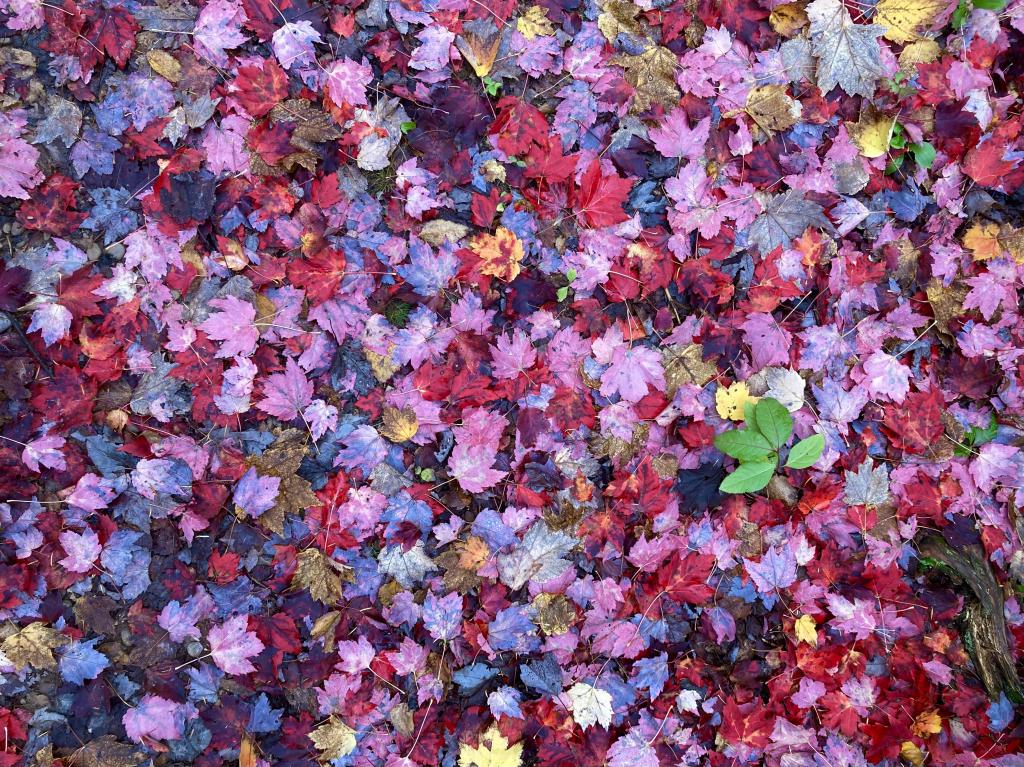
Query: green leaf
{"type": "Point", "coordinates": [773, 421]}
{"type": "Point", "coordinates": [408, 125]}
{"type": "Point", "coordinates": [743, 445]}
{"type": "Point", "coordinates": [990, 5]}
{"type": "Point", "coordinates": [806, 452]}
{"type": "Point", "coordinates": [491, 86]}
{"type": "Point", "coordinates": [748, 416]}
{"type": "Point", "coordinates": [748, 477]}
{"type": "Point", "coordinates": [960, 14]}
{"type": "Point", "coordinates": [571, 275]}
{"type": "Point", "coordinates": [562, 292]}
{"type": "Point", "coordinates": [924, 154]}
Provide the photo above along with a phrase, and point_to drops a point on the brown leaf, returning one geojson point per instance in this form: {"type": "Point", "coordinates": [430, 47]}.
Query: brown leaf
{"type": "Point", "coordinates": [107, 752]}
{"type": "Point", "coordinates": [686, 365]}
{"type": "Point", "coordinates": [555, 615]}
{"type": "Point", "coordinates": [95, 613]}
{"type": "Point", "coordinates": [653, 75]}
{"type": "Point", "coordinates": [33, 646]}
{"type": "Point", "coordinates": [479, 49]}
{"type": "Point", "coordinates": [399, 425]}
{"type": "Point", "coordinates": [316, 573]}
{"type": "Point", "coordinates": [282, 459]}
{"type": "Point", "coordinates": [323, 628]}
{"type": "Point", "coordinates": [771, 109]}
{"type": "Point", "coordinates": [618, 16]}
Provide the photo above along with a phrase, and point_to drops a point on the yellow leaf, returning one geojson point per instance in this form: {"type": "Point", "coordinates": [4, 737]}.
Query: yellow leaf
{"type": "Point", "coordinates": [535, 23]}
{"type": "Point", "coordinates": [729, 402]}
{"type": "Point", "coordinates": [248, 754]}
{"type": "Point", "coordinates": [334, 739]}
{"type": "Point", "coordinates": [399, 425]}
{"type": "Point", "coordinates": [872, 133]}
{"type": "Point", "coordinates": [501, 253]}
{"type": "Point", "coordinates": [911, 753]}
{"type": "Point", "coordinates": [33, 646]}
{"type": "Point", "coordinates": [323, 628]}
{"type": "Point", "coordinates": [493, 751]}
{"type": "Point", "coordinates": [788, 19]}
{"type": "Point", "coordinates": [982, 239]}
{"type": "Point", "coordinates": [903, 19]}
{"type": "Point", "coordinates": [480, 52]}
{"type": "Point", "coordinates": [806, 630]}
{"type": "Point", "coordinates": [927, 723]}
{"type": "Point", "coordinates": [165, 65]}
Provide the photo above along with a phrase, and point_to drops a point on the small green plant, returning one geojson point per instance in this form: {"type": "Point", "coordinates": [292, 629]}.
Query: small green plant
{"type": "Point", "coordinates": [563, 292]}
{"type": "Point", "coordinates": [977, 436]}
{"type": "Point", "coordinates": [491, 86]}
{"type": "Point", "coordinates": [768, 428]}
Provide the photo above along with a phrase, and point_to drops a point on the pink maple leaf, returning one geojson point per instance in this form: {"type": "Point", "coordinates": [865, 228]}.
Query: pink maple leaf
{"type": "Point", "coordinates": [293, 43]}
{"type": "Point", "coordinates": [218, 28]}
{"type": "Point", "coordinates": [234, 325]}
{"type": "Point", "coordinates": [347, 81]}
{"type": "Point", "coordinates": [513, 355]}
{"type": "Point", "coordinates": [155, 717]}
{"type": "Point", "coordinates": [231, 645]}
{"type": "Point", "coordinates": [82, 550]}
{"type": "Point", "coordinates": [675, 138]}
{"type": "Point", "coordinates": [285, 394]}
{"type": "Point", "coordinates": [18, 172]}
{"type": "Point", "coordinates": [46, 451]}
{"type": "Point", "coordinates": [884, 376]}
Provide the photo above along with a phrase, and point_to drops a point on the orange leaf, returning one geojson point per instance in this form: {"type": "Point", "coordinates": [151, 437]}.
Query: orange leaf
{"type": "Point", "coordinates": [501, 253]}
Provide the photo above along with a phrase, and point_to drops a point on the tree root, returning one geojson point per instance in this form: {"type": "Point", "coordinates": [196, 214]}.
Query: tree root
{"type": "Point", "coordinates": [983, 623]}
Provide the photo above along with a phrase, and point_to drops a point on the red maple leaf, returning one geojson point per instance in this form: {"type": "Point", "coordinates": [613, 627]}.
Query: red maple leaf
{"type": "Point", "coordinates": [750, 724]}
{"type": "Point", "coordinates": [52, 207]}
{"type": "Point", "coordinates": [519, 127]}
{"type": "Point", "coordinates": [684, 578]}
{"type": "Point", "coordinates": [598, 199]}
{"type": "Point", "coordinates": [113, 32]}
{"type": "Point", "coordinates": [259, 88]}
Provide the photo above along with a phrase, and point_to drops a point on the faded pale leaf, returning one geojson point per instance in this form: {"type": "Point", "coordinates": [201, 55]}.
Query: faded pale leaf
{"type": "Point", "coordinates": [493, 751]}
{"type": "Point", "coordinates": [848, 54]}
{"type": "Point", "coordinates": [333, 739]}
{"type": "Point", "coordinates": [785, 218]}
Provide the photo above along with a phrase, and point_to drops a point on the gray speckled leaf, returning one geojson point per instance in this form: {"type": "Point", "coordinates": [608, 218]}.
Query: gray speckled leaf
{"type": "Point", "coordinates": [848, 53]}
{"type": "Point", "coordinates": [406, 567]}
{"type": "Point", "coordinates": [869, 486]}
{"type": "Point", "coordinates": [785, 218]}
{"type": "Point", "coordinates": [797, 60]}
{"type": "Point", "coordinates": [539, 556]}
{"type": "Point", "coordinates": [62, 123]}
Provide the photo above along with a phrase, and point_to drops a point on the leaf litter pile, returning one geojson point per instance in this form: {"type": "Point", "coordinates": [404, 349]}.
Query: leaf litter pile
{"type": "Point", "coordinates": [496, 384]}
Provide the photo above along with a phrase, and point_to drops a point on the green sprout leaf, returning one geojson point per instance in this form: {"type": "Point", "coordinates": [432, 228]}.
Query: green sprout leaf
{"type": "Point", "coordinates": [773, 421]}
{"type": "Point", "coordinates": [743, 445]}
{"type": "Point", "coordinates": [924, 153]}
{"type": "Point", "coordinates": [749, 477]}
{"type": "Point", "coordinates": [805, 452]}
{"type": "Point", "coordinates": [562, 293]}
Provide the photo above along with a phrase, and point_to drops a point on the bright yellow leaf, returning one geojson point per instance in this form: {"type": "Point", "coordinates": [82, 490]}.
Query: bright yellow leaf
{"type": "Point", "coordinates": [399, 425]}
{"type": "Point", "coordinates": [501, 253]}
{"type": "Point", "coordinates": [806, 630]}
{"type": "Point", "coordinates": [982, 239]}
{"type": "Point", "coordinates": [872, 133]}
{"type": "Point", "coordinates": [730, 402]}
{"type": "Point", "coordinates": [911, 753]}
{"type": "Point", "coordinates": [903, 19]}
{"type": "Point", "coordinates": [927, 723]}
{"type": "Point", "coordinates": [493, 751]}
{"type": "Point", "coordinates": [535, 23]}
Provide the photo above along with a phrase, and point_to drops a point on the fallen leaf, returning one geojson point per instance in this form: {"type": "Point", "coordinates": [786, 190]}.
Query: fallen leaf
{"type": "Point", "coordinates": [398, 425]}
{"type": "Point", "coordinates": [33, 646]}
{"type": "Point", "coordinates": [493, 751]}
{"type": "Point", "coordinates": [334, 739]}
{"type": "Point", "coordinates": [904, 19]}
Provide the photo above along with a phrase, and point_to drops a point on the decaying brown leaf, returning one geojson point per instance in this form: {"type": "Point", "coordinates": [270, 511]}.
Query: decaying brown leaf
{"type": "Point", "coordinates": [789, 18]}
{"type": "Point", "coordinates": [321, 575]}
{"type": "Point", "coordinates": [33, 646]}
{"type": "Point", "coordinates": [653, 75]}
{"type": "Point", "coordinates": [686, 365]}
{"type": "Point", "coordinates": [772, 109]}
{"type": "Point", "coordinates": [282, 459]}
